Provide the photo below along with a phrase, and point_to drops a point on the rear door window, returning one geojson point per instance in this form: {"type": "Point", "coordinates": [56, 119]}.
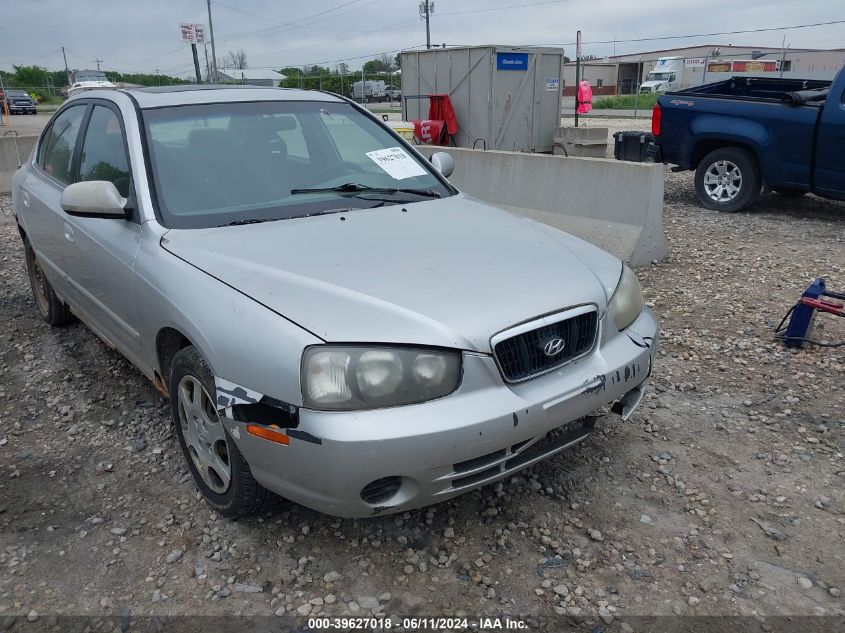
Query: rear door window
{"type": "Point", "coordinates": [56, 150]}
{"type": "Point", "coordinates": [104, 151]}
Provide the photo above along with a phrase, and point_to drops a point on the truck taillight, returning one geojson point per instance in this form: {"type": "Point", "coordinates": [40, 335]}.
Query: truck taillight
{"type": "Point", "coordinates": [655, 119]}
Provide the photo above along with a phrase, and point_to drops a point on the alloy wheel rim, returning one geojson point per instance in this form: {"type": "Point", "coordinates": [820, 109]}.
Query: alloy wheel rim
{"type": "Point", "coordinates": [723, 181]}
{"type": "Point", "coordinates": [206, 441]}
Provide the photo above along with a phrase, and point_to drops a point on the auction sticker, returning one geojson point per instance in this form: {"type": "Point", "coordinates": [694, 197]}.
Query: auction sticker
{"type": "Point", "coordinates": [396, 162]}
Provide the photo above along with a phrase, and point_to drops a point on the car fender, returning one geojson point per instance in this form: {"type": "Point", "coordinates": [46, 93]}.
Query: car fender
{"type": "Point", "coordinates": [244, 342]}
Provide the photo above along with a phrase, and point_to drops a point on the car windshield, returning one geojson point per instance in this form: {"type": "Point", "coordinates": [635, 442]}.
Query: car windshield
{"type": "Point", "coordinates": [243, 162]}
{"type": "Point", "coordinates": [658, 76]}
{"type": "Point", "coordinates": [17, 93]}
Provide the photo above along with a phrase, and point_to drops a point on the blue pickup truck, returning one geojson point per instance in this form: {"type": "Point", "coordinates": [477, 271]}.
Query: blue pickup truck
{"type": "Point", "coordinates": [745, 132]}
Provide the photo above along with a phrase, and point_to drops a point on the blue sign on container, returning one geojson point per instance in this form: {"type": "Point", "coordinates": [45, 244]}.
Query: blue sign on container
{"type": "Point", "coordinates": [511, 61]}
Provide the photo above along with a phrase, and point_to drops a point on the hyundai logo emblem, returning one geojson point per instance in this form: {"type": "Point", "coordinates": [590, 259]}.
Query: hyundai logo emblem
{"type": "Point", "coordinates": [554, 347]}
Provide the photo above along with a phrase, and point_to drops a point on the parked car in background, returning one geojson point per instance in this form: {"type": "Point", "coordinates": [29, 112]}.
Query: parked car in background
{"type": "Point", "coordinates": [746, 132]}
{"type": "Point", "coordinates": [393, 93]}
{"type": "Point", "coordinates": [332, 320]}
{"type": "Point", "coordinates": [18, 101]}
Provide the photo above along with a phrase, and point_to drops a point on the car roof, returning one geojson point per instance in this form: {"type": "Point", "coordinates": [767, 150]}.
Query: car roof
{"type": "Point", "coordinates": [187, 94]}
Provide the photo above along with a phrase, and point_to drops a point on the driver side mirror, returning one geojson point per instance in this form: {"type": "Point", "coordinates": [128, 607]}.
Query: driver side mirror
{"type": "Point", "coordinates": [443, 162]}
{"type": "Point", "coordinates": [94, 199]}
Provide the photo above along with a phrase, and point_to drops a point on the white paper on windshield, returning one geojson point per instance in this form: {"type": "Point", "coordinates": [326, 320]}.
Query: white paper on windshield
{"type": "Point", "coordinates": [396, 162]}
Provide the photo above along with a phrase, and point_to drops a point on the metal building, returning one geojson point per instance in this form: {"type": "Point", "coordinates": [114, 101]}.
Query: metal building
{"type": "Point", "coordinates": [622, 74]}
{"type": "Point", "coordinates": [504, 97]}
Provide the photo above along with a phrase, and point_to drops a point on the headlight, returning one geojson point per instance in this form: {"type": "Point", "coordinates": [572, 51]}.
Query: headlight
{"type": "Point", "coordinates": [347, 378]}
{"type": "Point", "coordinates": [627, 300]}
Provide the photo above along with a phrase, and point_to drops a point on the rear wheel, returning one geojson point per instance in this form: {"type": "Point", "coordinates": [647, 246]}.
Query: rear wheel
{"type": "Point", "coordinates": [727, 179]}
{"type": "Point", "coordinates": [52, 309]}
{"type": "Point", "coordinates": [219, 469]}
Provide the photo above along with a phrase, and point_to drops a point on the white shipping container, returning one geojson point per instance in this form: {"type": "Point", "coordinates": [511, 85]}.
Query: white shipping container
{"type": "Point", "coordinates": [505, 97]}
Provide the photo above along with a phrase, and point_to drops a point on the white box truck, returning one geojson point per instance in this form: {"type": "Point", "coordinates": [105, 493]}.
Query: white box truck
{"type": "Point", "coordinates": [372, 90]}
{"type": "Point", "coordinates": [666, 75]}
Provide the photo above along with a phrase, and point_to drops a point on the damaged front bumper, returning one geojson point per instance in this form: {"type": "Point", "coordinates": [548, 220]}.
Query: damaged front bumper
{"type": "Point", "coordinates": [361, 463]}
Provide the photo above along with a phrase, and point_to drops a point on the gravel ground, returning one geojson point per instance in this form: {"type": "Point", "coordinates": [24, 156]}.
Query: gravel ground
{"type": "Point", "coordinates": [723, 495]}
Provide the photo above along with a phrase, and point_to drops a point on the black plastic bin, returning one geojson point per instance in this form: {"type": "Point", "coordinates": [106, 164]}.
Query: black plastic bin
{"type": "Point", "coordinates": [635, 146]}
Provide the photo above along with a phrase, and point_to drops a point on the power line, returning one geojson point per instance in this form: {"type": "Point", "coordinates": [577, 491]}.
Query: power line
{"type": "Point", "coordinates": [82, 57]}
{"type": "Point", "coordinates": [310, 27]}
{"type": "Point", "coordinates": [507, 8]}
{"type": "Point", "coordinates": [298, 26]}
{"type": "Point", "coordinates": [335, 41]}
{"type": "Point", "coordinates": [29, 59]}
{"type": "Point", "coordinates": [680, 37]}
{"type": "Point", "coordinates": [348, 59]}
{"type": "Point", "coordinates": [292, 22]}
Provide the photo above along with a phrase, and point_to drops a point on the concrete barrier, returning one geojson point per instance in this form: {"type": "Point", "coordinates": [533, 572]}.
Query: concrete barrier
{"type": "Point", "coordinates": [615, 205]}
{"type": "Point", "coordinates": [9, 157]}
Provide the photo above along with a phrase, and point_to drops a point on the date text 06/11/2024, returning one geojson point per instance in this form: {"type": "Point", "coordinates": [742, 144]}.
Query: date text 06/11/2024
{"type": "Point", "coordinates": [417, 623]}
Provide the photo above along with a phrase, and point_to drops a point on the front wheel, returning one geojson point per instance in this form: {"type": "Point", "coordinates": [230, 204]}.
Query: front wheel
{"type": "Point", "coordinates": [219, 469]}
{"type": "Point", "coordinates": [727, 179]}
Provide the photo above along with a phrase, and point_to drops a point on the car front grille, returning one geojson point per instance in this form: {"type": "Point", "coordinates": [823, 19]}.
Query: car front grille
{"type": "Point", "coordinates": [524, 356]}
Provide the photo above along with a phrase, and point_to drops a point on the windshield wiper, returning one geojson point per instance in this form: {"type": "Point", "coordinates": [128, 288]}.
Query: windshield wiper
{"type": "Point", "coordinates": [356, 188]}
{"type": "Point", "coordinates": [248, 221]}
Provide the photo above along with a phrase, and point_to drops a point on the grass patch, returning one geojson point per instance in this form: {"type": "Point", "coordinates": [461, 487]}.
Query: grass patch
{"type": "Point", "coordinates": [626, 102]}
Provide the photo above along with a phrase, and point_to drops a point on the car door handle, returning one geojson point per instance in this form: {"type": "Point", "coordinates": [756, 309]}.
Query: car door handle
{"type": "Point", "coordinates": [68, 232]}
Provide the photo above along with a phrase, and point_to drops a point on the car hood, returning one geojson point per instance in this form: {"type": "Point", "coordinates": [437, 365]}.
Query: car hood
{"type": "Point", "coordinates": [448, 272]}
{"type": "Point", "coordinates": [652, 84]}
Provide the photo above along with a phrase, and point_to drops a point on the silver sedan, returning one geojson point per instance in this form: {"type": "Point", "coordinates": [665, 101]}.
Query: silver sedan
{"type": "Point", "coordinates": [331, 319]}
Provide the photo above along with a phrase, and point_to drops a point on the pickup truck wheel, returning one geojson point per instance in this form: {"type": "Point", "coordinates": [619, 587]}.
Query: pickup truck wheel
{"type": "Point", "coordinates": [52, 309]}
{"type": "Point", "coordinates": [727, 179]}
{"type": "Point", "coordinates": [789, 192]}
{"type": "Point", "coordinates": [219, 469]}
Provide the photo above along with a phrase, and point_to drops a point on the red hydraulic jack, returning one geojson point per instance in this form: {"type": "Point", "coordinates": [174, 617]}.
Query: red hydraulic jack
{"type": "Point", "coordinates": [802, 315]}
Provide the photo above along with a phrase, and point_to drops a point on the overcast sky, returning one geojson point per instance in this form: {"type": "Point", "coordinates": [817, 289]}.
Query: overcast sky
{"type": "Point", "coordinates": [143, 35]}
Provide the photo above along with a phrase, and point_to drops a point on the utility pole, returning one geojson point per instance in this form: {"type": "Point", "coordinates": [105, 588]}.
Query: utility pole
{"type": "Point", "coordinates": [196, 63]}
{"type": "Point", "coordinates": [207, 63]}
{"type": "Point", "coordinates": [67, 70]}
{"type": "Point", "coordinates": [577, 73]}
{"type": "Point", "coordinates": [782, 55]}
{"type": "Point", "coordinates": [213, 49]}
{"type": "Point", "coordinates": [98, 61]}
{"type": "Point", "coordinates": [426, 9]}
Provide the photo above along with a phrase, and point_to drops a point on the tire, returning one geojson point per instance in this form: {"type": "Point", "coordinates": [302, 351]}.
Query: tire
{"type": "Point", "coordinates": [53, 310]}
{"type": "Point", "coordinates": [790, 192]}
{"type": "Point", "coordinates": [211, 453]}
{"type": "Point", "coordinates": [727, 179]}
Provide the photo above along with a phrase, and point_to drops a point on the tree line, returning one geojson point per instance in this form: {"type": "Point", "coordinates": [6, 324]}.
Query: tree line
{"type": "Point", "coordinates": [39, 78]}
{"type": "Point", "coordinates": [340, 78]}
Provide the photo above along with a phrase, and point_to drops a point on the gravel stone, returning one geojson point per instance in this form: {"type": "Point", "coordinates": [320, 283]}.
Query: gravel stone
{"type": "Point", "coordinates": [174, 556]}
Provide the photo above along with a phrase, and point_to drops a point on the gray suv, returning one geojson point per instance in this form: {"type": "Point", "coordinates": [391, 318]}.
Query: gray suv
{"type": "Point", "coordinates": [331, 319]}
